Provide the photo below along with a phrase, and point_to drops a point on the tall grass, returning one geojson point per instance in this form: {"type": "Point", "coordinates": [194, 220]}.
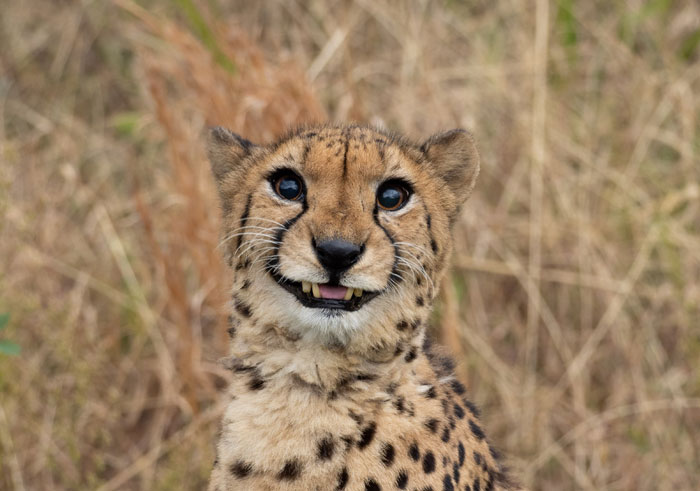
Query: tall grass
{"type": "Point", "coordinates": [573, 306]}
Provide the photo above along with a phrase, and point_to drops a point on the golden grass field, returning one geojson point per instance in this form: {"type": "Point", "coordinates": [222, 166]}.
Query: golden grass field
{"type": "Point", "coordinates": [573, 304]}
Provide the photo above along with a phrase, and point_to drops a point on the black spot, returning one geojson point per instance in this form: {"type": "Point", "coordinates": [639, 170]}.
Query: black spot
{"type": "Point", "coordinates": [415, 324]}
{"type": "Point", "coordinates": [356, 417]}
{"type": "Point", "coordinates": [477, 458]}
{"type": "Point", "coordinates": [447, 483]}
{"type": "Point", "coordinates": [216, 463]}
{"type": "Point", "coordinates": [242, 308]}
{"type": "Point", "coordinates": [410, 408]}
{"type": "Point", "coordinates": [367, 435]}
{"type": "Point", "coordinates": [241, 469]}
{"type": "Point", "coordinates": [231, 332]}
{"type": "Point", "coordinates": [455, 472]}
{"type": "Point", "coordinates": [326, 447]}
{"type": "Point", "coordinates": [348, 441]}
{"type": "Point", "coordinates": [399, 349]}
{"type": "Point", "coordinates": [460, 451]}
{"type": "Point", "coordinates": [459, 412]}
{"type": "Point", "coordinates": [434, 246]}
{"type": "Point", "coordinates": [476, 485]}
{"type": "Point", "coordinates": [342, 479]}
{"type": "Point", "coordinates": [371, 485]}
{"type": "Point", "coordinates": [420, 301]}
{"type": "Point", "coordinates": [290, 471]}
{"type": "Point", "coordinates": [432, 425]}
{"type": "Point", "coordinates": [402, 325]}
{"type": "Point", "coordinates": [256, 381]}
{"type": "Point", "coordinates": [399, 404]}
{"type": "Point", "coordinates": [411, 355]}
{"type": "Point", "coordinates": [428, 462]}
{"type": "Point", "coordinates": [431, 393]}
{"type": "Point", "coordinates": [494, 453]}
{"type": "Point", "coordinates": [413, 452]}
{"type": "Point", "coordinates": [446, 435]}
{"type": "Point", "coordinates": [402, 480]}
{"type": "Point", "coordinates": [472, 407]}
{"type": "Point", "coordinates": [476, 430]}
{"type": "Point", "coordinates": [445, 405]}
{"type": "Point", "coordinates": [388, 454]}
{"type": "Point", "coordinates": [458, 387]}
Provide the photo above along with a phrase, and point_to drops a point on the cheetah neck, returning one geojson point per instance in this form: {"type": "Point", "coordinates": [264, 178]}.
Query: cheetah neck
{"type": "Point", "coordinates": [271, 355]}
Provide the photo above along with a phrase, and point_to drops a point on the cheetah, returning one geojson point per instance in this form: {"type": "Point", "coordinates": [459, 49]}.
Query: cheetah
{"type": "Point", "coordinates": [338, 236]}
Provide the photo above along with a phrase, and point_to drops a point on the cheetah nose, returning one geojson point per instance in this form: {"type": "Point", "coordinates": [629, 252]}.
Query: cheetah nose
{"type": "Point", "coordinates": [337, 255]}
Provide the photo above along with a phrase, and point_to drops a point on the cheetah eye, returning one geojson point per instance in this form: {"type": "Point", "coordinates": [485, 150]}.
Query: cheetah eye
{"type": "Point", "coordinates": [287, 185]}
{"type": "Point", "coordinates": [393, 195]}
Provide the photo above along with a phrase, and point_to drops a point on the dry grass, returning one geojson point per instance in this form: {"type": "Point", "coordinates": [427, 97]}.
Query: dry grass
{"type": "Point", "coordinates": [573, 305]}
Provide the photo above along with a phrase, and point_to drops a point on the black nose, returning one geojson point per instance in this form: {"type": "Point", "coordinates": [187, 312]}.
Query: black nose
{"type": "Point", "coordinates": [338, 255]}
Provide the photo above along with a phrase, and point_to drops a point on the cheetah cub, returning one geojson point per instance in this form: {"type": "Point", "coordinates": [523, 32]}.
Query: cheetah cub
{"type": "Point", "coordinates": [338, 236]}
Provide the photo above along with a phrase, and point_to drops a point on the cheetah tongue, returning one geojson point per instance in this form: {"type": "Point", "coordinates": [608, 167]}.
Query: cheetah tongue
{"type": "Point", "coordinates": [334, 292]}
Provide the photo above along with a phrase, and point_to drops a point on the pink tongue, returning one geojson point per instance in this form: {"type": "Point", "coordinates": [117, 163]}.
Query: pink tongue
{"type": "Point", "coordinates": [334, 292]}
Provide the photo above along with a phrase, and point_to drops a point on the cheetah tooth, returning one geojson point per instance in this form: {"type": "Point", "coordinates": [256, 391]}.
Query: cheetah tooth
{"type": "Point", "coordinates": [315, 290]}
{"type": "Point", "coordinates": [358, 292]}
{"type": "Point", "coordinates": [306, 286]}
{"type": "Point", "coordinates": [348, 294]}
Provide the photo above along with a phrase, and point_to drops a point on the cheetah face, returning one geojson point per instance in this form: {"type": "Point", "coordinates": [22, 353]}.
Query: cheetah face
{"type": "Point", "coordinates": [335, 226]}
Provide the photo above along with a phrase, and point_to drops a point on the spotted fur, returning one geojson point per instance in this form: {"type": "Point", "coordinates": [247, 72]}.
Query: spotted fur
{"type": "Point", "coordinates": [331, 399]}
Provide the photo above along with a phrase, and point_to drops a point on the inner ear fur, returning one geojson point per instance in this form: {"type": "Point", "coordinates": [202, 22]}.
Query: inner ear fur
{"type": "Point", "coordinates": [227, 151]}
{"type": "Point", "coordinates": [454, 158]}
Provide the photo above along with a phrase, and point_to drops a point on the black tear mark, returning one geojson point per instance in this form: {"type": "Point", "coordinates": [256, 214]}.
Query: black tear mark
{"type": "Point", "coordinates": [395, 273]}
{"type": "Point", "coordinates": [272, 262]}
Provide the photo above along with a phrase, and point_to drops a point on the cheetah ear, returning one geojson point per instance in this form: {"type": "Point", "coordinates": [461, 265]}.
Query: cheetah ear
{"type": "Point", "coordinates": [455, 159]}
{"type": "Point", "coordinates": [226, 152]}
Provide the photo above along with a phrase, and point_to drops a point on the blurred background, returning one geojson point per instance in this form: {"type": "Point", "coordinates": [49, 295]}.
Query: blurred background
{"type": "Point", "coordinates": [572, 305]}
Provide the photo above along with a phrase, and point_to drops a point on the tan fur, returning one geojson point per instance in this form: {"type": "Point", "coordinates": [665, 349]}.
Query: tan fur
{"type": "Point", "coordinates": [326, 401]}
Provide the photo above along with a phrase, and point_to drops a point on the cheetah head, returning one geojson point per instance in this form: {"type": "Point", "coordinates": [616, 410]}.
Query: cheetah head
{"type": "Point", "coordinates": [334, 229]}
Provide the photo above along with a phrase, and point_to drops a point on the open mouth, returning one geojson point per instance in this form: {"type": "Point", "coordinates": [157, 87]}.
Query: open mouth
{"type": "Point", "coordinates": [325, 296]}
